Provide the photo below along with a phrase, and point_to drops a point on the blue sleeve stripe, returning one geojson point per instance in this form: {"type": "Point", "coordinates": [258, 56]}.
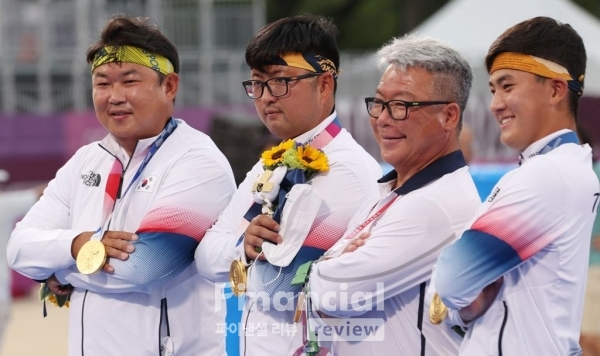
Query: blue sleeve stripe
{"type": "Point", "coordinates": [157, 257]}
{"type": "Point", "coordinates": [471, 263]}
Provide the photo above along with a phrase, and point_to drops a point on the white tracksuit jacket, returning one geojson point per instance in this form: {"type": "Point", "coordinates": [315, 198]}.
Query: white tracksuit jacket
{"type": "Point", "coordinates": [177, 197]}
{"type": "Point", "coordinates": [534, 230]}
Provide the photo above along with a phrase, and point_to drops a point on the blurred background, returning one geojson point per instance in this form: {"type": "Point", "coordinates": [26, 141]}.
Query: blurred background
{"type": "Point", "coordinates": [46, 110]}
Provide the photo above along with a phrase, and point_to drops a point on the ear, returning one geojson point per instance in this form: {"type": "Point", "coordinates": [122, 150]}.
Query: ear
{"type": "Point", "coordinates": [451, 116]}
{"type": "Point", "coordinates": [171, 85]}
{"type": "Point", "coordinates": [326, 85]}
{"type": "Point", "coordinates": [560, 91]}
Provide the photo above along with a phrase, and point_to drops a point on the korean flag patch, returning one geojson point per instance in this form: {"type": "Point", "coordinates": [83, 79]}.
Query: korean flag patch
{"type": "Point", "coordinates": [146, 184]}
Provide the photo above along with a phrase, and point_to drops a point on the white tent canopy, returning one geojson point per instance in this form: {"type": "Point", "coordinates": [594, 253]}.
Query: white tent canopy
{"type": "Point", "coordinates": [472, 25]}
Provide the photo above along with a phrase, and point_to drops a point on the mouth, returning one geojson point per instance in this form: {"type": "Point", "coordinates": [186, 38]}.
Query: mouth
{"type": "Point", "coordinates": [504, 121]}
{"type": "Point", "coordinates": [389, 137]}
{"type": "Point", "coordinates": [119, 114]}
{"type": "Point", "coordinates": [271, 114]}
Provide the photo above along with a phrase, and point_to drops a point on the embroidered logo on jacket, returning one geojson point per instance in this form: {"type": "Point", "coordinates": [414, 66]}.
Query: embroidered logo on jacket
{"type": "Point", "coordinates": [91, 179]}
{"type": "Point", "coordinates": [493, 195]}
{"type": "Point", "coordinates": [146, 184]}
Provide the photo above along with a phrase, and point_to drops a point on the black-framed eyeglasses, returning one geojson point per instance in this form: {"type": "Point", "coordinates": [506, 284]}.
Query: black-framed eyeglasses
{"type": "Point", "coordinates": [278, 86]}
{"type": "Point", "coordinates": [398, 109]}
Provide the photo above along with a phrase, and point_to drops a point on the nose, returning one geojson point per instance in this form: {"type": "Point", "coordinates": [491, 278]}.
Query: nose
{"type": "Point", "coordinates": [117, 95]}
{"type": "Point", "coordinates": [384, 119]}
{"type": "Point", "coordinates": [267, 97]}
{"type": "Point", "coordinates": [497, 103]}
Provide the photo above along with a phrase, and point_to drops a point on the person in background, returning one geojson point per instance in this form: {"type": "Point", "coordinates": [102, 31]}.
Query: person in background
{"type": "Point", "coordinates": [515, 279]}
{"type": "Point", "coordinates": [294, 66]}
{"type": "Point", "coordinates": [118, 226]}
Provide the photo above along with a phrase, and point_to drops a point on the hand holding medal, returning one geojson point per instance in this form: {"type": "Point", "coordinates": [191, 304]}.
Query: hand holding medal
{"type": "Point", "coordinates": [287, 157]}
{"type": "Point", "coordinates": [91, 256]}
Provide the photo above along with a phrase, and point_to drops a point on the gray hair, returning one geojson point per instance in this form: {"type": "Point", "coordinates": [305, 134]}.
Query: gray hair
{"type": "Point", "coordinates": [453, 72]}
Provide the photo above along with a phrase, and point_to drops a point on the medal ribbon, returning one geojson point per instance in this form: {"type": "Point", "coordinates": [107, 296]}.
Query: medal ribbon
{"type": "Point", "coordinates": [434, 171]}
{"type": "Point", "coordinates": [567, 137]}
{"type": "Point", "coordinates": [115, 177]}
{"type": "Point", "coordinates": [371, 219]}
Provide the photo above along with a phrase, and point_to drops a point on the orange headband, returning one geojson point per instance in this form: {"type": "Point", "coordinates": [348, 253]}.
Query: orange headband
{"type": "Point", "coordinates": [536, 65]}
{"type": "Point", "coordinates": [308, 61]}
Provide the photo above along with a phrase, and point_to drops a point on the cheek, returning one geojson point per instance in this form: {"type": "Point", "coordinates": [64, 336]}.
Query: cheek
{"type": "Point", "coordinates": [373, 123]}
{"type": "Point", "coordinates": [99, 97]}
{"type": "Point", "coordinates": [428, 128]}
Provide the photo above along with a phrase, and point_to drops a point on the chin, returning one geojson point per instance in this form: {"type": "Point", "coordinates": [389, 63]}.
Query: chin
{"type": "Point", "coordinates": [511, 143]}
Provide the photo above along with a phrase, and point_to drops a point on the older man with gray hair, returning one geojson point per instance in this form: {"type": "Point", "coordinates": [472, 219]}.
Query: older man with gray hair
{"type": "Point", "coordinates": [367, 295]}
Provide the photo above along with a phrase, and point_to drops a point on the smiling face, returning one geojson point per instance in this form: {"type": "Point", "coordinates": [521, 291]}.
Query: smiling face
{"type": "Point", "coordinates": [307, 102]}
{"type": "Point", "coordinates": [520, 104]}
{"type": "Point", "coordinates": [131, 102]}
{"type": "Point", "coordinates": [429, 132]}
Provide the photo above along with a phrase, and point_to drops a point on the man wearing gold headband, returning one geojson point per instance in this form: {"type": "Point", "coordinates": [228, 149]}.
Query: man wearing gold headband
{"type": "Point", "coordinates": [294, 66]}
{"type": "Point", "coordinates": [515, 280]}
{"type": "Point", "coordinates": [117, 228]}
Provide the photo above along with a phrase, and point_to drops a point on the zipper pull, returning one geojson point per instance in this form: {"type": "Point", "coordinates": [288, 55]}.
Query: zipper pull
{"type": "Point", "coordinates": [120, 185]}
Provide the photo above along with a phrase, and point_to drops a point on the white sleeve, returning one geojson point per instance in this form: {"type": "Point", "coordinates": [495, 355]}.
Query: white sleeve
{"type": "Point", "coordinates": [194, 192]}
{"type": "Point", "coordinates": [452, 318]}
{"type": "Point", "coordinates": [524, 216]}
{"type": "Point", "coordinates": [44, 235]}
{"type": "Point", "coordinates": [399, 255]}
{"type": "Point", "coordinates": [222, 243]}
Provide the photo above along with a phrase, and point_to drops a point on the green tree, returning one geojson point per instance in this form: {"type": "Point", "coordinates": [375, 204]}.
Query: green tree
{"type": "Point", "coordinates": [366, 24]}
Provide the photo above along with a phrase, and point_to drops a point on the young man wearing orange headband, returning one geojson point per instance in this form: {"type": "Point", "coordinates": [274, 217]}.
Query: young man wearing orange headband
{"type": "Point", "coordinates": [294, 65]}
{"type": "Point", "coordinates": [515, 279]}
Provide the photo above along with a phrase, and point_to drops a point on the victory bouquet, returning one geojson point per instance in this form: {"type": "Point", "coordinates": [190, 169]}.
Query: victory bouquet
{"type": "Point", "coordinates": [285, 165]}
{"type": "Point", "coordinates": [58, 300]}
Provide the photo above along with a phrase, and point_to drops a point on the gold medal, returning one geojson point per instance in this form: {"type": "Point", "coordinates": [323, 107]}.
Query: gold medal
{"type": "Point", "coordinates": [91, 257]}
{"type": "Point", "coordinates": [299, 307]}
{"type": "Point", "coordinates": [237, 277]}
{"type": "Point", "coordinates": [437, 310]}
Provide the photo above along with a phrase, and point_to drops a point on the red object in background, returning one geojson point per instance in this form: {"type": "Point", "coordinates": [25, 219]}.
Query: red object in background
{"type": "Point", "coordinates": [21, 286]}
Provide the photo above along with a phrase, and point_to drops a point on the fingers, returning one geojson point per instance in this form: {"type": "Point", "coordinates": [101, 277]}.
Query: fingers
{"type": "Point", "coordinates": [118, 244]}
{"type": "Point", "coordinates": [79, 241]}
{"type": "Point", "coordinates": [63, 289]}
{"type": "Point", "coordinates": [108, 268]}
{"type": "Point", "coordinates": [57, 288]}
{"type": "Point", "coordinates": [357, 242]}
{"type": "Point", "coordinates": [364, 236]}
{"type": "Point", "coordinates": [262, 228]}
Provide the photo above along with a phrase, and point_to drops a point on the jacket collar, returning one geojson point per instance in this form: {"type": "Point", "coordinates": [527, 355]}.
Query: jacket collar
{"type": "Point", "coordinates": [435, 170]}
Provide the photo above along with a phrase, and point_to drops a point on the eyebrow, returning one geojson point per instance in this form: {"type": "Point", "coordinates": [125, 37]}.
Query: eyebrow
{"type": "Point", "coordinates": [501, 79]}
{"type": "Point", "coordinates": [260, 74]}
{"type": "Point", "coordinates": [398, 93]}
{"type": "Point", "coordinates": [124, 74]}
